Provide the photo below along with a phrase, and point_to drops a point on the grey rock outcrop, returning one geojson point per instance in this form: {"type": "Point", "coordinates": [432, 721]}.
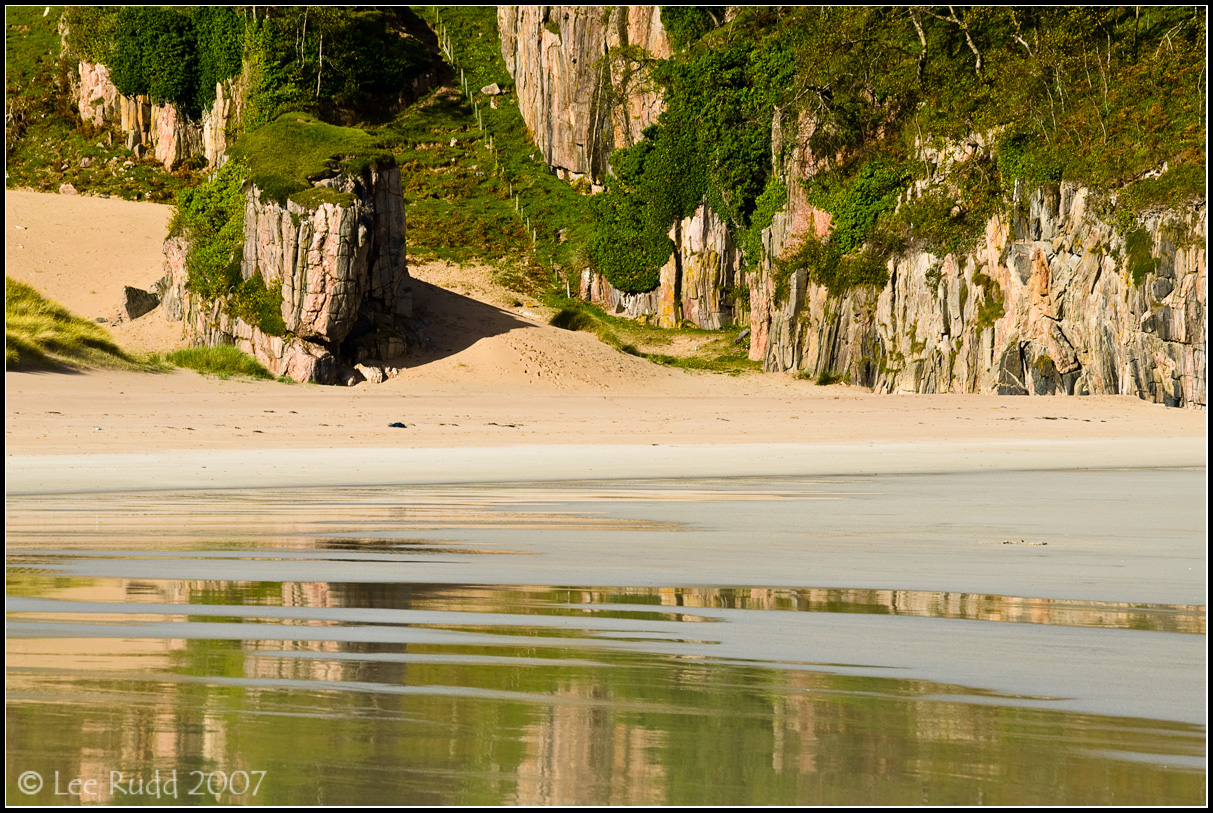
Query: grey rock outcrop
{"type": "Point", "coordinates": [346, 292]}
{"type": "Point", "coordinates": [1045, 303]}
{"type": "Point", "coordinates": [137, 302]}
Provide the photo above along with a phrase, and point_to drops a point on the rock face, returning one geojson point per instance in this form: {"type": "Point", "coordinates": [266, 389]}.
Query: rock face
{"type": "Point", "coordinates": [697, 282]}
{"type": "Point", "coordinates": [1045, 303]}
{"type": "Point", "coordinates": [581, 80]}
{"type": "Point", "coordinates": [136, 302]}
{"type": "Point", "coordinates": [169, 133]}
{"type": "Point", "coordinates": [584, 91]}
{"type": "Point", "coordinates": [346, 292]}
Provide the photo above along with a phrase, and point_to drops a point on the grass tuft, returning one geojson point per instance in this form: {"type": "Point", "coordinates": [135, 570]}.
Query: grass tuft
{"type": "Point", "coordinates": [43, 335]}
{"type": "Point", "coordinates": [686, 347]}
{"type": "Point", "coordinates": [223, 361]}
{"type": "Point", "coordinates": [574, 319]}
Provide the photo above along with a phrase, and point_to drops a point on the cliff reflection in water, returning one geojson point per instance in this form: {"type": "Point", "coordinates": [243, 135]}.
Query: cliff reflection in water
{"type": "Point", "coordinates": [520, 703]}
{"type": "Point", "coordinates": [134, 653]}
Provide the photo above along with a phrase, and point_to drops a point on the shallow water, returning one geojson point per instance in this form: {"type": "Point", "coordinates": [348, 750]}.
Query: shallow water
{"type": "Point", "coordinates": [756, 641]}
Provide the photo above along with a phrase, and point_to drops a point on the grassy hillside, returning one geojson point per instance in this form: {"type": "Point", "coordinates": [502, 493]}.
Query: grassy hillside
{"type": "Point", "coordinates": [475, 185]}
{"type": "Point", "coordinates": [46, 142]}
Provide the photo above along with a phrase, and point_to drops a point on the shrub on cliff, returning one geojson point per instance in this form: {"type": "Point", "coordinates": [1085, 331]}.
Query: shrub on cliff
{"type": "Point", "coordinates": [169, 55]}
{"type": "Point", "coordinates": [345, 63]}
{"type": "Point", "coordinates": [210, 217]}
{"type": "Point", "coordinates": [712, 145]}
{"type": "Point", "coordinates": [653, 184]}
{"type": "Point", "coordinates": [1101, 96]}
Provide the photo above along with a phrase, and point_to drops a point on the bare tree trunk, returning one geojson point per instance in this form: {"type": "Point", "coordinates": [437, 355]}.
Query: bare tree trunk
{"type": "Point", "coordinates": [916, 18]}
{"type": "Point", "coordinates": [952, 18]}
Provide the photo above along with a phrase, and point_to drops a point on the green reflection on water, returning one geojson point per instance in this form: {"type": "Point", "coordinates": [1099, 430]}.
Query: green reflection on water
{"type": "Point", "coordinates": [406, 692]}
{"type": "Point", "coordinates": [539, 718]}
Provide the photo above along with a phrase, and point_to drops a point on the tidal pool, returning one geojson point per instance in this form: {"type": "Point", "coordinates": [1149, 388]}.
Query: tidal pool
{"type": "Point", "coordinates": [996, 638]}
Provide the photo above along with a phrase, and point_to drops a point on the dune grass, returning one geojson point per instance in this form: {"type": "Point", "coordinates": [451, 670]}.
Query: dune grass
{"type": "Point", "coordinates": [223, 361]}
{"type": "Point", "coordinates": [42, 335]}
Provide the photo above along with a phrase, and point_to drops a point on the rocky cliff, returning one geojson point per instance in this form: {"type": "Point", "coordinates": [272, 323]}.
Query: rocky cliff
{"type": "Point", "coordinates": [581, 78]}
{"type": "Point", "coordinates": [1053, 299]}
{"type": "Point", "coordinates": [698, 283]}
{"type": "Point", "coordinates": [584, 90]}
{"type": "Point", "coordinates": [346, 293]}
{"type": "Point", "coordinates": [1059, 296]}
{"type": "Point", "coordinates": [163, 130]}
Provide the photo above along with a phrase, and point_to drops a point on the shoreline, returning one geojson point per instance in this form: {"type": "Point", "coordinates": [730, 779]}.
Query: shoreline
{"type": "Point", "coordinates": [32, 475]}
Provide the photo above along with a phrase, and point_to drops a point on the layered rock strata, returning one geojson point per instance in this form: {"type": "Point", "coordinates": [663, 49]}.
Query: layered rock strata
{"type": "Point", "coordinates": [346, 291]}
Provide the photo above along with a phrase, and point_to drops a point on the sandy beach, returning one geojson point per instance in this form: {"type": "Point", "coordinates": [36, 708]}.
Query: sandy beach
{"type": "Point", "coordinates": [496, 376]}
{"type": "Point", "coordinates": [570, 551]}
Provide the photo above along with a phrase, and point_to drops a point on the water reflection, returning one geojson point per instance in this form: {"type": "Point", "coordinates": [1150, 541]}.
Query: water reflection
{"type": "Point", "coordinates": [344, 689]}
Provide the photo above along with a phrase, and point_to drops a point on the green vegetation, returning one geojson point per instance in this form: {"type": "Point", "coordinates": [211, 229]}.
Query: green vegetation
{"type": "Point", "coordinates": [854, 254]}
{"type": "Point", "coordinates": [489, 196]}
{"type": "Point", "coordinates": [343, 63]}
{"type": "Point", "coordinates": [47, 144]}
{"type": "Point", "coordinates": [827, 265]}
{"type": "Point", "coordinates": [285, 156]}
{"type": "Point", "coordinates": [41, 335]}
{"type": "Point", "coordinates": [223, 361]}
{"type": "Point", "coordinates": [573, 318]}
{"type": "Point", "coordinates": [993, 307]}
{"type": "Point", "coordinates": [711, 144]}
{"type": "Point", "coordinates": [689, 348]}
{"type": "Point", "coordinates": [337, 64]}
{"type": "Point", "coordinates": [29, 37]}
{"type": "Point", "coordinates": [1099, 96]}
{"type": "Point", "coordinates": [260, 304]}
{"type": "Point", "coordinates": [1138, 245]}
{"type": "Point", "coordinates": [211, 218]}
{"type": "Point", "coordinates": [686, 25]}
{"type": "Point", "coordinates": [168, 55]}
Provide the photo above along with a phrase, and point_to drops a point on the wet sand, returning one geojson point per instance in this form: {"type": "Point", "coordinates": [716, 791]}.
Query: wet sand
{"type": "Point", "coordinates": [861, 638]}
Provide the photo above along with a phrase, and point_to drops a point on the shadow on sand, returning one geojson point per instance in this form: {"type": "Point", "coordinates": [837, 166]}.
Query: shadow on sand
{"type": "Point", "coordinates": [451, 323]}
